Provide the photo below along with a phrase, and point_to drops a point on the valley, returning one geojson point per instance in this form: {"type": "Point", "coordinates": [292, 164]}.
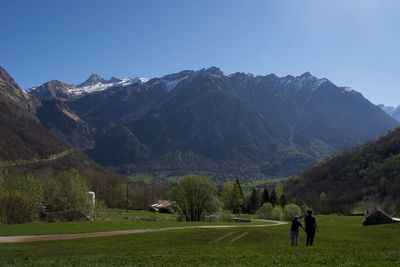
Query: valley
{"type": "Point", "coordinates": [199, 133]}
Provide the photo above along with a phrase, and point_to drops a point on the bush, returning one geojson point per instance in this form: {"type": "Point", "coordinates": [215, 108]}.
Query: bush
{"type": "Point", "coordinates": [276, 213]}
{"type": "Point", "coordinates": [267, 211]}
{"type": "Point", "coordinates": [223, 216]}
{"type": "Point", "coordinates": [19, 197]}
{"type": "Point", "coordinates": [68, 191]}
{"type": "Point", "coordinates": [304, 208]}
{"type": "Point", "coordinates": [15, 207]}
{"type": "Point", "coordinates": [290, 211]}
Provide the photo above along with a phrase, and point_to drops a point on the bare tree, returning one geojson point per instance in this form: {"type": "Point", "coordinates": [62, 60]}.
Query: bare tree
{"type": "Point", "coordinates": [192, 195]}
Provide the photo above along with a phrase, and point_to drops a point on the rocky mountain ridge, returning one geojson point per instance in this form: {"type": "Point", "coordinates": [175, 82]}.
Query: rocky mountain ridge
{"type": "Point", "coordinates": [209, 122]}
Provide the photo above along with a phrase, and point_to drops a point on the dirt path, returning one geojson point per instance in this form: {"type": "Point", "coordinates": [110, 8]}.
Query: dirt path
{"type": "Point", "coordinates": [4, 164]}
{"type": "Point", "coordinates": [38, 238]}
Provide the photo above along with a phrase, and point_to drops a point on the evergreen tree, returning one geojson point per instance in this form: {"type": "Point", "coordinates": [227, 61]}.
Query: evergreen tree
{"type": "Point", "coordinates": [231, 197]}
{"type": "Point", "coordinates": [282, 200]}
{"type": "Point", "coordinates": [254, 201]}
{"type": "Point", "coordinates": [265, 196]}
{"type": "Point", "coordinates": [242, 206]}
{"type": "Point", "coordinates": [273, 199]}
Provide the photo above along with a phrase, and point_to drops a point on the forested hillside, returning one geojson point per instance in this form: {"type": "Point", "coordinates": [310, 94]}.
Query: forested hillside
{"type": "Point", "coordinates": [27, 147]}
{"type": "Point", "coordinates": [369, 174]}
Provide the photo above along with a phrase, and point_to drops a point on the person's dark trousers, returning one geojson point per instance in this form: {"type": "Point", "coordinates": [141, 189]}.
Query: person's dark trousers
{"type": "Point", "coordinates": [310, 238]}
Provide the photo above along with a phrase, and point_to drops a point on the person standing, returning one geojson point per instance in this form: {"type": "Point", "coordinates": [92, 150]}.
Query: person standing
{"type": "Point", "coordinates": [310, 227]}
{"type": "Point", "coordinates": [294, 231]}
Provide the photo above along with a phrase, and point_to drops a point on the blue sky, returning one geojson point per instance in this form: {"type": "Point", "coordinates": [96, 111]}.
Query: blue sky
{"type": "Point", "coordinates": [353, 43]}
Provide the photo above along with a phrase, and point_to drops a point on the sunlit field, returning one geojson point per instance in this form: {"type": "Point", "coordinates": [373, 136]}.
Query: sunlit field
{"type": "Point", "coordinates": [342, 241]}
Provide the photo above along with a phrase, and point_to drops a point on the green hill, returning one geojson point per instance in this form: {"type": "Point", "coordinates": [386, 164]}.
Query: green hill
{"type": "Point", "coordinates": [364, 176]}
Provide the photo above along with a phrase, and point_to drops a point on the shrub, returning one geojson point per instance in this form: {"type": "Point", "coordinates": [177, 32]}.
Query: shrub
{"type": "Point", "coordinates": [304, 208]}
{"type": "Point", "coordinates": [68, 191]}
{"type": "Point", "coordinates": [267, 211]}
{"type": "Point", "coordinates": [224, 216]}
{"type": "Point", "coordinates": [19, 197]}
{"type": "Point", "coordinates": [290, 211]}
{"type": "Point", "coordinates": [276, 213]}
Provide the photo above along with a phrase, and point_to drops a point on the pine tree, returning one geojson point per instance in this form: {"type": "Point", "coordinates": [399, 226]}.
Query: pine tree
{"type": "Point", "coordinates": [273, 199]}
{"type": "Point", "coordinates": [254, 201]}
{"type": "Point", "coordinates": [265, 196]}
{"type": "Point", "coordinates": [282, 200]}
{"type": "Point", "coordinates": [242, 201]}
{"type": "Point", "coordinates": [232, 197]}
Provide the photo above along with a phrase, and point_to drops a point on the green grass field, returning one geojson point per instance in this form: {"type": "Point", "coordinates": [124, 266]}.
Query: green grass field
{"type": "Point", "coordinates": [99, 226]}
{"type": "Point", "coordinates": [121, 214]}
{"type": "Point", "coordinates": [341, 242]}
{"type": "Point", "coordinates": [108, 220]}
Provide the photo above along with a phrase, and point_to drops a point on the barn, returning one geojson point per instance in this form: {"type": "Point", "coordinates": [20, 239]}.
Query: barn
{"type": "Point", "coordinates": [163, 206]}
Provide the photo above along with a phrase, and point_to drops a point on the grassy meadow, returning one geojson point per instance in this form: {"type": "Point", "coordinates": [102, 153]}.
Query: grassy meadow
{"type": "Point", "coordinates": [109, 220]}
{"type": "Point", "coordinates": [341, 242]}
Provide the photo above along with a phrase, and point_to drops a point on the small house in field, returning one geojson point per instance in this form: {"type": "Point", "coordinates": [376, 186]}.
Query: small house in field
{"type": "Point", "coordinates": [163, 206]}
{"type": "Point", "coordinates": [379, 217]}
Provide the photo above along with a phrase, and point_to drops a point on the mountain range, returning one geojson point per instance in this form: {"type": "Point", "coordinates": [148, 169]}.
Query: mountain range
{"type": "Point", "coordinates": [64, 91]}
{"type": "Point", "coordinates": [394, 112]}
{"type": "Point", "coordinates": [207, 122]}
{"type": "Point", "coordinates": [26, 146]}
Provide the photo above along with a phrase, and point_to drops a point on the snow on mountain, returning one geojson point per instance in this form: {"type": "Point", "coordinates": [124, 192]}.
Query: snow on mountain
{"type": "Point", "coordinates": [93, 79]}
{"type": "Point", "coordinates": [31, 88]}
{"type": "Point", "coordinates": [93, 84]}
{"type": "Point", "coordinates": [347, 90]}
{"type": "Point", "coordinates": [304, 81]}
{"type": "Point", "coordinates": [171, 84]}
{"type": "Point", "coordinates": [392, 111]}
{"type": "Point", "coordinates": [140, 80]}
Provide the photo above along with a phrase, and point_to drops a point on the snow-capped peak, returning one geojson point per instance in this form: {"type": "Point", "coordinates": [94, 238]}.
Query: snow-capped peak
{"type": "Point", "coordinates": [170, 83]}
{"type": "Point", "coordinates": [347, 90]}
{"type": "Point", "coordinates": [96, 83]}
{"type": "Point", "coordinates": [304, 81]}
{"type": "Point", "coordinates": [92, 80]}
{"type": "Point", "coordinates": [140, 80]}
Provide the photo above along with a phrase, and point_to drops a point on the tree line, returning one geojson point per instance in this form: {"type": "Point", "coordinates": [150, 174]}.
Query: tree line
{"type": "Point", "coordinates": [22, 195]}
{"type": "Point", "coordinates": [197, 196]}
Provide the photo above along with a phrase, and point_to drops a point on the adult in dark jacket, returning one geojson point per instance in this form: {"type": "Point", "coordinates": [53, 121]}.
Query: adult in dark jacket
{"type": "Point", "coordinates": [311, 227]}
